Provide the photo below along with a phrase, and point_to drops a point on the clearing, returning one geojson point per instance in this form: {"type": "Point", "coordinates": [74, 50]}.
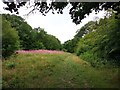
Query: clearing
{"type": "Point", "coordinates": [54, 70]}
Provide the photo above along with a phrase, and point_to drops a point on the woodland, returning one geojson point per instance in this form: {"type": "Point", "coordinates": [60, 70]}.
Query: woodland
{"type": "Point", "coordinates": [90, 60]}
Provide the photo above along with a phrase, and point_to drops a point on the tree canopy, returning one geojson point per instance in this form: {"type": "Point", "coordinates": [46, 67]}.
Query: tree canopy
{"type": "Point", "coordinates": [10, 39]}
{"type": "Point", "coordinates": [77, 11]}
{"type": "Point", "coordinates": [17, 34]}
{"type": "Point", "coordinates": [100, 44]}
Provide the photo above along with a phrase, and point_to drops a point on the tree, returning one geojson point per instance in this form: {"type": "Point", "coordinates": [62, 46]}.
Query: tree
{"type": "Point", "coordinates": [10, 39]}
{"type": "Point", "coordinates": [49, 41]}
{"type": "Point", "coordinates": [102, 44]}
{"type": "Point", "coordinates": [87, 28]}
{"type": "Point", "coordinates": [25, 32]}
{"type": "Point", "coordinates": [71, 45]}
{"type": "Point", "coordinates": [52, 43]}
{"type": "Point", "coordinates": [32, 38]}
{"type": "Point", "coordinates": [77, 11]}
{"type": "Point", "coordinates": [28, 36]}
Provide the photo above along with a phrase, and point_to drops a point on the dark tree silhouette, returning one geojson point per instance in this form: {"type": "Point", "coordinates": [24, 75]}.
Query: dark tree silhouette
{"type": "Point", "coordinates": [77, 11]}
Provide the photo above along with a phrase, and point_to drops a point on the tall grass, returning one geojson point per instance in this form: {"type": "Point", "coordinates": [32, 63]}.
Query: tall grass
{"type": "Point", "coordinates": [56, 71]}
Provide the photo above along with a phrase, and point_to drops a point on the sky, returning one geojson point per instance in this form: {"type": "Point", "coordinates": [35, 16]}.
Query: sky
{"type": "Point", "coordinates": [59, 25]}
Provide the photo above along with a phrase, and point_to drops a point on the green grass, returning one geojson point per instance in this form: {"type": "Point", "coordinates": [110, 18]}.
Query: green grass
{"type": "Point", "coordinates": [55, 71]}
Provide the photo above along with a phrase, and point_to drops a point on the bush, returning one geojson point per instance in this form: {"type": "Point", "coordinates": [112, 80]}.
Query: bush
{"type": "Point", "coordinates": [11, 65]}
{"type": "Point", "coordinates": [10, 39]}
{"type": "Point", "coordinates": [102, 45]}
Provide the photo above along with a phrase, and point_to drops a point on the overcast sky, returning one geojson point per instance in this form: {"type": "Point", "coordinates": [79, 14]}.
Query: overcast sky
{"type": "Point", "coordinates": [59, 25]}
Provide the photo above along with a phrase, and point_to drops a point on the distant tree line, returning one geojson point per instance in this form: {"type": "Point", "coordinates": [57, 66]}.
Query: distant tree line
{"type": "Point", "coordinates": [17, 34]}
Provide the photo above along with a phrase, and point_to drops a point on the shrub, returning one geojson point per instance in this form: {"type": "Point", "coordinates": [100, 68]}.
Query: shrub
{"type": "Point", "coordinates": [10, 65]}
{"type": "Point", "coordinates": [102, 45]}
{"type": "Point", "coordinates": [10, 39]}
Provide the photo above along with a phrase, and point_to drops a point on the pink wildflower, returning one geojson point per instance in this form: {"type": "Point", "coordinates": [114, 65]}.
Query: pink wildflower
{"type": "Point", "coordinates": [39, 51]}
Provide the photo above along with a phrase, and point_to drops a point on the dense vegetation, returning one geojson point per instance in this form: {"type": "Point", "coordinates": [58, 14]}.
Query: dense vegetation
{"type": "Point", "coordinates": [10, 39]}
{"type": "Point", "coordinates": [24, 37]}
{"type": "Point", "coordinates": [96, 42]}
{"type": "Point", "coordinates": [70, 45]}
{"type": "Point", "coordinates": [102, 44]}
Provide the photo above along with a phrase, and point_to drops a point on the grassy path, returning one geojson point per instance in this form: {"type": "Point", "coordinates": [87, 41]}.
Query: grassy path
{"type": "Point", "coordinates": [55, 71]}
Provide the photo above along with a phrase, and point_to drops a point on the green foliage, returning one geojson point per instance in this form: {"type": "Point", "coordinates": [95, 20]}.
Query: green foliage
{"type": "Point", "coordinates": [10, 39]}
{"type": "Point", "coordinates": [24, 30]}
{"type": "Point", "coordinates": [97, 43]}
{"type": "Point", "coordinates": [50, 42]}
{"type": "Point", "coordinates": [11, 65]}
{"type": "Point", "coordinates": [71, 45]}
{"type": "Point", "coordinates": [32, 38]}
{"type": "Point", "coordinates": [87, 28]}
{"type": "Point", "coordinates": [102, 44]}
